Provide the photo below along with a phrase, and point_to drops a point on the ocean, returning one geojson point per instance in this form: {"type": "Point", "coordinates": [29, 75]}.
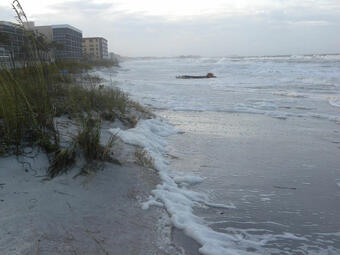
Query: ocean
{"type": "Point", "coordinates": [250, 160]}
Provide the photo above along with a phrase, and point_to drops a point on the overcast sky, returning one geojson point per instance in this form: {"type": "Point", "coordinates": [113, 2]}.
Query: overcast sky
{"type": "Point", "coordinates": [207, 28]}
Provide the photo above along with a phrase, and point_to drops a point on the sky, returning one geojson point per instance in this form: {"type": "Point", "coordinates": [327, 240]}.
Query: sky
{"type": "Point", "coordinates": [196, 27]}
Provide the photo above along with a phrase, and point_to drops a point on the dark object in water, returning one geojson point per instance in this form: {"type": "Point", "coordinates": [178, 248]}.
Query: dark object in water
{"type": "Point", "coordinates": [281, 187]}
{"type": "Point", "coordinates": [209, 75]}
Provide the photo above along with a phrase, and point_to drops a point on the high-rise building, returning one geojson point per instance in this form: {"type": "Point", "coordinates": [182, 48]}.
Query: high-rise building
{"type": "Point", "coordinates": [67, 37]}
{"type": "Point", "coordinates": [68, 40]}
{"type": "Point", "coordinates": [11, 41]}
{"type": "Point", "coordinates": [71, 40]}
{"type": "Point", "coordinates": [95, 47]}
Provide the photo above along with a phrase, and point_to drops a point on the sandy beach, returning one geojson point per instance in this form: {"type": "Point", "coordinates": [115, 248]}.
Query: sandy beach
{"type": "Point", "coordinates": [99, 213]}
{"type": "Point", "coordinates": [96, 214]}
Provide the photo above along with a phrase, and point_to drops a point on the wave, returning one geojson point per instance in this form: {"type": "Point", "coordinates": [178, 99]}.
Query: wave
{"type": "Point", "coordinates": [334, 101]}
{"type": "Point", "coordinates": [262, 110]}
{"type": "Point", "coordinates": [290, 94]}
{"type": "Point", "coordinates": [279, 57]}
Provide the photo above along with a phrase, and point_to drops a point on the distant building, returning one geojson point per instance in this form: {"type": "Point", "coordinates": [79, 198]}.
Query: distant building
{"type": "Point", "coordinates": [68, 40]}
{"type": "Point", "coordinates": [11, 41]}
{"type": "Point", "coordinates": [46, 31]}
{"type": "Point", "coordinates": [95, 47]}
{"type": "Point", "coordinates": [112, 56]}
{"type": "Point", "coordinates": [4, 55]}
{"type": "Point", "coordinates": [71, 39]}
{"type": "Point", "coordinates": [67, 37]}
{"type": "Point", "coordinates": [115, 57]}
{"type": "Point", "coordinates": [29, 25]}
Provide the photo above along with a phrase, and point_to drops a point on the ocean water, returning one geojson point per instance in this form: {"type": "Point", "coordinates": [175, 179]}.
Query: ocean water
{"type": "Point", "coordinates": [253, 166]}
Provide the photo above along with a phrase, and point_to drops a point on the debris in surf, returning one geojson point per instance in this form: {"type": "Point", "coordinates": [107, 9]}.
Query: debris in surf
{"type": "Point", "coordinates": [281, 187]}
{"type": "Point", "coordinates": [209, 75]}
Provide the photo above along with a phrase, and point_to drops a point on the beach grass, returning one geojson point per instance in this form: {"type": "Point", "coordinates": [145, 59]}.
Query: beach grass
{"type": "Point", "coordinates": [144, 159]}
{"type": "Point", "coordinates": [34, 94]}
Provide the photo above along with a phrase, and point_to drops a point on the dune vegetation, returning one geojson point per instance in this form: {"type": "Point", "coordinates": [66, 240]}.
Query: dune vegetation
{"type": "Point", "coordinates": [38, 91]}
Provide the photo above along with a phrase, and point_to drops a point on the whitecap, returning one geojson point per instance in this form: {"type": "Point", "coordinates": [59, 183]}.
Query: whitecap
{"type": "Point", "coordinates": [334, 101]}
{"type": "Point", "coordinates": [290, 94]}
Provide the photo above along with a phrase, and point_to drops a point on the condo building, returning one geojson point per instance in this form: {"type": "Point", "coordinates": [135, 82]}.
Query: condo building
{"type": "Point", "coordinates": [67, 37]}
{"type": "Point", "coordinates": [71, 40]}
{"type": "Point", "coordinates": [95, 48]}
{"type": "Point", "coordinates": [11, 41]}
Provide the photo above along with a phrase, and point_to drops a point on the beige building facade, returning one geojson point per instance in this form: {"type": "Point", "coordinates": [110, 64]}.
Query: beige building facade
{"type": "Point", "coordinates": [95, 48]}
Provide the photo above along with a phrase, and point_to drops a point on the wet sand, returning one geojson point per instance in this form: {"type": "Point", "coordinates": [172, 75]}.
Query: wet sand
{"type": "Point", "coordinates": [281, 175]}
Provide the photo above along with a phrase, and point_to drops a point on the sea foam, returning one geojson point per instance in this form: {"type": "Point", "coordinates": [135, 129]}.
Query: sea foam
{"type": "Point", "coordinates": [334, 101]}
{"type": "Point", "coordinates": [173, 193]}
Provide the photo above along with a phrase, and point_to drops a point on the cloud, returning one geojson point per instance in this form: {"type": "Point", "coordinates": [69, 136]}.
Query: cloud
{"type": "Point", "coordinates": [83, 7]}
{"type": "Point", "coordinates": [241, 27]}
{"type": "Point", "coordinates": [6, 14]}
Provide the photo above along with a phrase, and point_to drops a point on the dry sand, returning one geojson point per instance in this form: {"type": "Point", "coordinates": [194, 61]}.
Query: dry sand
{"type": "Point", "coordinates": [95, 214]}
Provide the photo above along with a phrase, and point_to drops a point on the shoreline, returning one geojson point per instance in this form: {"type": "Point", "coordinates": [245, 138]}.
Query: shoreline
{"type": "Point", "coordinates": [96, 213]}
{"type": "Point", "coordinates": [257, 186]}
